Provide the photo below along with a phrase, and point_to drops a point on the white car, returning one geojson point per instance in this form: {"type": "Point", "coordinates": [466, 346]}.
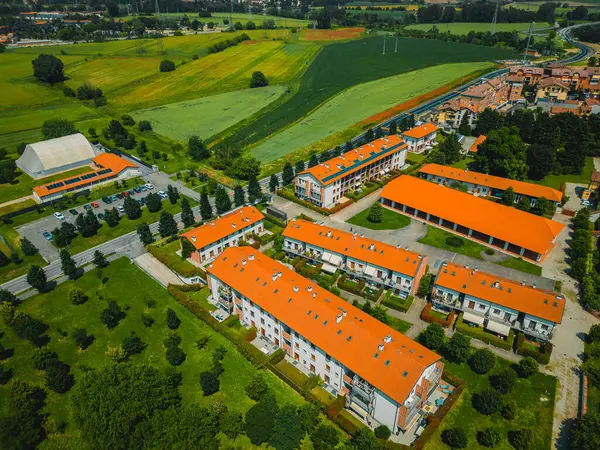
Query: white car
{"type": "Point", "coordinates": [121, 209]}
{"type": "Point", "coordinates": [585, 203]}
{"type": "Point", "coordinates": [59, 216]}
{"type": "Point", "coordinates": [163, 194]}
{"type": "Point", "coordinates": [149, 186]}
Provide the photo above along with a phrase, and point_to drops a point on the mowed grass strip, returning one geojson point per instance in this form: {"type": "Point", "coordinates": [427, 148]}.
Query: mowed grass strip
{"type": "Point", "coordinates": [436, 237]}
{"type": "Point", "coordinates": [207, 116]}
{"type": "Point", "coordinates": [390, 220]}
{"type": "Point", "coordinates": [131, 289]}
{"type": "Point", "coordinates": [358, 103]}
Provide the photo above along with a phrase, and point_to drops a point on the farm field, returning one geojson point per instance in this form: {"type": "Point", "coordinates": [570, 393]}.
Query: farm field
{"type": "Point", "coordinates": [384, 13]}
{"type": "Point", "coordinates": [335, 70]}
{"type": "Point", "coordinates": [207, 116]}
{"type": "Point", "coordinates": [132, 289]}
{"type": "Point", "coordinates": [464, 28]}
{"type": "Point", "coordinates": [338, 34]}
{"type": "Point", "coordinates": [358, 103]}
{"type": "Point", "coordinates": [218, 17]}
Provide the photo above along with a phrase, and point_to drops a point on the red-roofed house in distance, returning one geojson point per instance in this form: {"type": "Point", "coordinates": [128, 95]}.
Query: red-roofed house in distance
{"type": "Point", "coordinates": [497, 304]}
{"type": "Point", "coordinates": [211, 238]}
{"type": "Point", "coordinates": [325, 184]}
{"type": "Point", "coordinates": [420, 138]}
{"type": "Point", "coordinates": [386, 377]}
{"type": "Point", "coordinates": [475, 146]}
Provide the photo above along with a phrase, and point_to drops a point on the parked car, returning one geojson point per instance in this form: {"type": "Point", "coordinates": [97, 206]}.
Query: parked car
{"type": "Point", "coordinates": [119, 196]}
{"type": "Point", "coordinates": [87, 207]}
{"type": "Point", "coordinates": [586, 203]}
{"type": "Point", "coordinates": [101, 216]}
{"type": "Point", "coordinates": [121, 209]}
{"type": "Point", "coordinates": [132, 191]}
{"type": "Point", "coordinates": [107, 200]}
{"type": "Point", "coordinates": [95, 205]}
{"type": "Point", "coordinates": [143, 188]}
{"type": "Point", "coordinates": [113, 198]}
{"type": "Point", "coordinates": [149, 186]}
{"type": "Point", "coordinates": [137, 189]}
{"type": "Point", "coordinates": [125, 194]}
{"type": "Point", "coordinates": [163, 194]}
{"type": "Point", "coordinates": [47, 235]}
{"type": "Point", "coordinates": [59, 216]}
{"type": "Point", "coordinates": [73, 212]}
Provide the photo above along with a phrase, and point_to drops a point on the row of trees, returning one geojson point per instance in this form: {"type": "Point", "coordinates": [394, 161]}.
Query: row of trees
{"type": "Point", "coordinates": [584, 260]}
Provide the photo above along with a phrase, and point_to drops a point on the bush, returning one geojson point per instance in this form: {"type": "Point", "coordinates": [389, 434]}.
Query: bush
{"type": "Point", "coordinates": [487, 402]}
{"type": "Point", "coordinates": [482, 361]}
{"type": "Point", "coordinates": [175, 356]}
{"type": "Point", "coordinates": [504, 381]}
{"type": "Point", "coordinates": [173, 321]}
{"type": "Point", "coordinates": [112, 315]}
{"type": "Point", "coordinates": [257, 388]}
{"type": "Point", "coordinates": [133, 345]}
{"type": "Point", "coordinates": [454, 241]}
{"type": "Point", "coordinates": [489, 251]}
{"type": "Point", "coordinates": [489, 437]}
{"type": "Point", "coordinates": [277, 356]}
{"type": "Point", "coordinates": [458, 348]}
{"type": "Point", "coordinates": [167, 66]}
{"type": "Point", "coordinates": [58, 376]}
{"type": "Point", "coordinates": [509, 411]}
{"type": "Point", "coordinates": [432, 337]}
{"type": "Point", "coordinates": [521, 439]}
{"type": "Point", "coordinates": [210, 383]}
{"type": "Point", "coordinates": [527, 367]}
{"type": "Point", "coordinates": [82, 339]}
{"type": "Point", "coordinates": [77, 296]}
{"type": "Point", "coordinates": [424, 284]}
{"type": "Point", "coordinates": [147, 320]}
{"type": "Point", "coordinates": [454, 438]}
{"type": "Point", "coordinates": [382, 432]}
{"type": "Point", "coordinates": [40, 356]}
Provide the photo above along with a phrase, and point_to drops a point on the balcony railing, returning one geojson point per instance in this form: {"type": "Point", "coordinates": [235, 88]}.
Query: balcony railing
{"type": "Point", "coordinates": [546, 336]}
{"type": "Point", "coordinates": [286, 336]}
{"type": "Point", "coordinates": [347, 379]}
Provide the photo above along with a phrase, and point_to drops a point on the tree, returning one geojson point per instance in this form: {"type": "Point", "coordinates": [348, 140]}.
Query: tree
{"type": "Point", "coordinates": [144, 125]}
{"type": "Point", "coordinates": [287, 430]}
{"type": "Point", "coordinates": [393, 127]}
{"type": "Point", "coordinates": [592, 336]}
{"type": "Point", "coordinates": [167, 225]}
{"type": "Point", "coordinates": [48, 68]}
{"type": "Point", "coordinates": [287, 176]}
{"type": "Point", "coordinates": [487, 121]}
{"type": "Point", "coordinates": [260, 420]}
{"type": "Point", "coordinates": [111, 315]}
{"type": "Point", "coordinates": [173, 321]}
{"type": "Point", "coordinates": [111, 217]}
{"type": "Point", "coordinates": [205, 207]}
{"type": "Point", "coordinates": [509, 411]}
{"type": "Point", "coordinates": [8, 297]}
{"type": "Point", "coordinates": [254, 190]}
{"type": "Point", "coordinates": [432, 337]}
{"type": "Point", "coordinates": [489, 437]}
{"type": "Point", "coordinates": [585, 433]}
{"type": "Point", "coordinates": [375, 213]}
{"type": "Point", "coordinates": [153, 202]}
{"type": "Point", "coordinates": [36, 277]}
{"type": "Point", "coordinates": [132, 345]}
{"type": "Point", "coordinates": [528, 367]}
{"type": "Point", "coordinates": [541, 159]}
{"type": "Point", "coordinates": [167, 65]}
{"type": "Point", "coordinates": [458, 348]}
{"type": "Point", "coordinates": [209, 383]}
{"type": "Point", "coordinates": [503, 153]}
{"type": "Point", "coordinates": [369, 136]}
{"type": "Point", "coordinates": [143, 231]}
{"type": "Point", "coordinates": [55, 128]}
{"type": "Point", "coordinates": [239, 196]}
{"type": "Point", "coordinates": [382, 432]}
{"type": "Point", "coordinates": [132, 208]}
{"type": "Point", "coordinates": [173, 194]}
{"type": "Point", "coordinates": [487, 402]}
{"type": "Point", "coordinates": [273, 183]}
{"type": "Point", "coordinates": [313, 161]}
{"type": "Point", "coordinates": [243, 167]}
{"type": "Point", "coordinates": [222, 200]}
{"type": "Point", "coordinates": [508, 197]}
{"type": "Point", "coordinates": [454, 438]}
{"type": "Point", "coordinates": [465, 128]}
{"type": "Point", "coordinates": [258, 80]}
{"type": "Point", "coordinates": [77, 296]}
{"type": "Point", "coordinates": [28, 248]}
{"type": "Point", "coordinates": [504, 381]}
{"type": "Point", "coordinates": [257, 388]}
{"type": "Point", "coordinates": [521, 439]}
{"type": "Point", "coordinates": [197, 149]}
{"type": "Point", "coordinates": [482, 361]}
{"type": "Point", "coordinates": [299, 167]}
{"type": "Point", "coordinates": [82, 338]}
{"type": "Point", "coordinates": [324, 437]}
{"type": "Point", "coordinates": [175, 356]}
{"type": "Point", "coordinates": [449, 151]}
{"type": "Point", "coordinates": [99, 259]}
{"type": "Point", "coordinates": [58, 376]}
{"type": "Point", "coordinates": [543, 207]}
{"type": "Point", "coordinates": [187, 215]}
{"type": "Point", "coordinates": [4, 261]}
{"type": "Point", "coordinates": [67, 263]}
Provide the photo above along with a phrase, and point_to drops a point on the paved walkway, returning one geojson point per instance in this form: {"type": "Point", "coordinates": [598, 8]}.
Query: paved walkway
{"type": "Point", "coordinates": [157, 270]}
{"type": "Point", "coordinates": [16, 200]}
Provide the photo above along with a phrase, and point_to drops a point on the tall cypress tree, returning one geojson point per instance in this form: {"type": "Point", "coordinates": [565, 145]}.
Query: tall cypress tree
{"type": "Point", "coordinates": [254, 191]}
{"type": "Point", "coordinates": [167, 225]}
{"type": "Point", "coordinates": [239, 196]}
{"type": "Point", "coordinates": [273, 183]}
{"type": "Point", "coordinates": [205, 208]}
{"type": "Point", "coordinates": [144, 233]}
{"type": "Point", "coordinates": [67, 263]}
{"type": "Point", "coordinates": [187, 215]}
{"type": "Point", "coordinates": [287, 176]}
{"type": "Point", "coordinates": [222, 201]}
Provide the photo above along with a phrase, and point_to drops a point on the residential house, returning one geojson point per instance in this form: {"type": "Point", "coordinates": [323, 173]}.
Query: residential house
{"type": "Point", "coordinates": [326, 183]}
{"type": "Point", "coordinates": [214, 236]}
{"type": "Point", "coordinates": [475, 146]}
{"type": "Point", "coordinates": [420, 138]}
{"type": "Point", "coordinates": [378, 263]}
{"type": "Point", "coordinates": [498, 304]}
{"type": "Point", "coordinates": [386, 377]}
{"type": "Point", "coordinates": [551, 90]}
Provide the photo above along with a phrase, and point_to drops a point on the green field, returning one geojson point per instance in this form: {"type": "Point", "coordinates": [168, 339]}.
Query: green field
{"type": "Point", "coordinates": [131, 289]}
{"type": "Point", "coordinates": [436, 237]}
{"type": "Point", "coordinates": [358, 103]}
{"type": "Point", "coordinates": [343, 65]}
{"type": "Point", "coordinates": [207, 116]}
{"type": "Point", "coordinates": [218, 17]}
{"type": "Point", "coordinates": [464, 28]}
{"type": "Point", "coordinates": [379, 12]}
{"type": "Point", "coordinates": [389, 220]}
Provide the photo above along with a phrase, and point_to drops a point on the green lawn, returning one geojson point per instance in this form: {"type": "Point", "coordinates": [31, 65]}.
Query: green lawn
{"type": "Point", "coordinates": [554, 181]}
{"type": "Point", "coordinates": [131, 289]}
{"type": "Point", "coordinates": [399, 325]}
{"type": "Point", "coordinates": [166, 254]}
{"type": "Point", "coordinates": [465, 27]}
{"type": "Point", "coordinates": [535, 408]}
{"type": "Point", "coordinates": [360, 102]}
{"type": "Point", "coordinates": [390, 220]}
{"type": "Point", "coordinates": [436, 237]}
{"type": "Point", "coordinates": [522, 265]}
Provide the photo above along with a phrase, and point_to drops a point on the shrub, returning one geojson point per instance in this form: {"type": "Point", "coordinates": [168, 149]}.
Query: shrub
{"type": "Point", "coordinates": [487, 402]}
{"type": "Point", "coordinates": [504, 381]}
{"type": "Point", "coordinates": [489, 437]}
{"type": "Point", "coordinates": [521, 439]}
{"type": "Point", "coordinates": [258, 80]}
{"type": "Point", "coordinates": [58, 376]}
{"type": "Point", "coordinates": [147, 320]}
{"type": "Point", "coordinates": [40, 356]}
{"type": "Point", "coordinates": [167, 65]}
{"type": "Point", "coordinates": [458, 347]}
{"type": "Point", "coordinates": [509, 411]}
{"type": "Point", "coordinates": [454, 241]}
{"type": "Point", "coordinates": [133, 345]}
{"type": "Point", "coordinates": [173, 321]}
{"type": "Point", "coordinates": [175, 356]}
{"type": "Point", "coordinates": [257, 388]}
{"type": "Point", "coordinates": [201, 343]}
{"type": "Point", "coordinates": [489, 251]}
{"type": "Point", "coordinates": [77, 296]}
{"type": "Point", "coordinates": [382, 432]}
{"type": "Point", "coordinates": [112, 315]}
{"type": "Point", "coordinates": [527, 367]}
{"type": "Point", "coordinates": [82, 339]}
{"type": "Point", "coordinates": [172, 340]}
{"type": "Point", "coordinates": [423, 288]}
{"type": "Point", "coordinates": [432, 337]}
{"type": "Point", "coordinates": [209, 383]}
{"type": "Point", "coordinates": [482, 361]}
{"type": "Point", "coordinates": [454, 438]}
{"type": "Point", "coordinates": [5, 375]}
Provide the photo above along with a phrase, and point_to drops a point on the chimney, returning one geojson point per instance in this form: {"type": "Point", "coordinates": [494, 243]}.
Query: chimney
{"type": "Point", "coordinates": [233, 225]}
{"type": "Point", "coordinates": [274, 276]}
{"type": "Point", "coordinates": [309, 288]}
{"type": "Point", "coordinates": [296, 289]}
{"type": "Point", "coordinates": [279, 274]}
{"type": "Point", "coordinates": [243, 262]}
{"type": "Point", "coordinates": [338, 318]}
{"type": "Point", "coordinates": [387, 339]}
{"type": "Point", "coordinates": [193, 238]}
{"type": "Point", "coordinates": [251, 257]}
{"type": "Point", "coordinates": [380, 347]}
{"type": "Point", "coordinates": [212, 224]}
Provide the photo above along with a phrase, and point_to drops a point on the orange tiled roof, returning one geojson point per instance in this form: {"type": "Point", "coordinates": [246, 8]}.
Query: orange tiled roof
{"type": "Point", "coordinates": [312, 312]}
{"type": "Point", "coordinates": [340, 166]}
{"type": "Point", "coordinates": [511, 294]}
{"type": "Point", "coordinates": [222, 227]}
{"type": "Point", "coordinates": [552, 82]}
{"type": "Point", "coordinates": [344, 243]}
{"type": "Point", "coordinates": [421, 131]}
{"type": "Point", "coordinates": [475, 147]}
{"type": "Point", "coordinates": [109, 165]}
{"type": "Point", "coordinates": [526, 230]}
{"type": "Point", "coordinates": [482, 179]}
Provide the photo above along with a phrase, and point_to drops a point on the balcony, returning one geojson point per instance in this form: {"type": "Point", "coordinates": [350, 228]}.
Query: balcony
{"type": "Point", "coordinates": [545, 336]}
{"type": "Point", "coordinates": [347, 379]}
{"type": "Point", "coordinates": [286, 335]}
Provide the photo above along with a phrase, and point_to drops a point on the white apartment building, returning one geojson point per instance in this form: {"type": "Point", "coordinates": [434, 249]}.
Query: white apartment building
{"type": "Point", "coordinates": [386, 376]}
{"type": "Point", "coordinates": [326, 183]}
{"type": "Point", "coordinates": [211, 238]}
{"type": "Point", "coordinates": [498, 304]}
{"type": "Point", "coordinates": [420, 138]}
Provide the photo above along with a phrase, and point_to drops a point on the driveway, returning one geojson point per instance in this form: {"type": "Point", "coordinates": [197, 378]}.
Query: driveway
{"type": "Point", "coordinates": [574, 191]}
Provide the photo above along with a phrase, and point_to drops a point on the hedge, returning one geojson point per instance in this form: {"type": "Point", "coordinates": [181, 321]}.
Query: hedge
{"type": "Point", "coordinates": [542, 356]}
{"type": "Point", "coordinates": [481, 335]}
{"type": "Point", "coordinates": [274, 220]}
{"type": "Point", "coordinates": [428, 317]}
{"type": "Point", "coordinates": [393, 304]}
{"type": "Point", "coordinates": [326, 212]}
{"type": "Point", "coordinates": [351, 287]}
{"type": "Point", "coordinates": [193, 271]}
{"type": "Point", "coordinates": [371, 187]}
{"type": "Point", "coordinates": [277, 356]}
{"type": "Point", "coordinates": [307, 218]}
{"type": "Point", "coordinates": [374, 296]}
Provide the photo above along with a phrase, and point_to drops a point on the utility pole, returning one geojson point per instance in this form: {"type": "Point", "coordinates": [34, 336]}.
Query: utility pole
{"type": "Point", "coordinates": [231, 15]}
{"type": "Point", "coordinates": [528, 40]}
{"type": "Point", "coordinates": [396, 49]}
{"type": "Point", "coordinates": [493, 27]}
{"type": "Point", "coordinates": [384, 40]}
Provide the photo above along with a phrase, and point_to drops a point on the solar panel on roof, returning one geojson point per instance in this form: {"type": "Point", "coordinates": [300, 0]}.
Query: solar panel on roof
{"type": "Point", "coordinates": [55, 185]}
{"type": "Point", "coordinates": [72, 180]}
{"type": "Point", "coordinates": [87, 176]}
{"type": "Point", "coordinates": [104, 171]}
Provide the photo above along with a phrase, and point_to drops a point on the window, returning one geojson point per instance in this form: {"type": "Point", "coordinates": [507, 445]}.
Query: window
{"type": "Point", "coordinates": [312, 357]}
{"type": "Point", "coordinates": [297, 346]}
{"type": "Point", "coordinates": [251, 313]}
{"type": "Point", "coordinates": [262, 321]}
{"type": "Point", "coordinates": [497, 311]}
{"type": "Point", "coordinates": [326, 379]}
{"type": "Point", "coordinates": [327, 367]}
{"type": "Point", "coordinates": [545, 327]}
{"type": "Point", "coordinates": [482, 307]}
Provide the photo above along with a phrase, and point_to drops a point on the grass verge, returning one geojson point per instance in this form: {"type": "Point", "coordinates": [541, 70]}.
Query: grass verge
{"type": "Point", "coordinates": [390, 220]}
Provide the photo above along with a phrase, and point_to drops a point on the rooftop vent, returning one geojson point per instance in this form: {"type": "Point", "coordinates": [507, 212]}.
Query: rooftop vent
{"type": "Point", "coordinates": [338, 318]}
{"type": "Point", "coordinates": [251, 257]}
{"type": "Point", "coordinates": [387, 339]}
{"type": "Point", "coordinates": [234, 225]}
{"type": "Point", "coordinates": [375, 355]}
{"type": "Point", "coordinates": [274, 276]}
{"type": "Point", "coordinates": [193, 238]}
{"type": "Point", "coordinates": [387, 362]}
{"type": "Point", "coordinates": [405, 374]}
{"type": "Point", "coordinates": [349, 338]}
{"type": "Point", "coordinates": [380, 347]}
{"type": "Point", "coordinates": [212, 224]}
{"type": "Point", "coordinates": [314, 294]}
{"type": "Point", "coordinates": [309, 288]}
{"type": "Point", "coordinates": [296, 289]}
{"type": "Point", "coordinates": [243, 262]}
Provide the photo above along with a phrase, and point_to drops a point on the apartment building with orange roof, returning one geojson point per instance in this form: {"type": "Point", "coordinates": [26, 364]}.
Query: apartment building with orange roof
{"type": "Point", "coordinates": [500, 227]}
{"type": "Point", "coordinates": [497, 304]}
{"type": "Point", "coordinates": [326, 183]}
{"type": "Point", "coordinates": [421, 138]}
{"type": "Point", "coordinates": [387, 378]}
{"type": "Point", "coordinates": [482, 184]}
{"type": "Point", "coordinates": [213, 237]}
{"type": "Point", "coordinates": [378, 263]}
